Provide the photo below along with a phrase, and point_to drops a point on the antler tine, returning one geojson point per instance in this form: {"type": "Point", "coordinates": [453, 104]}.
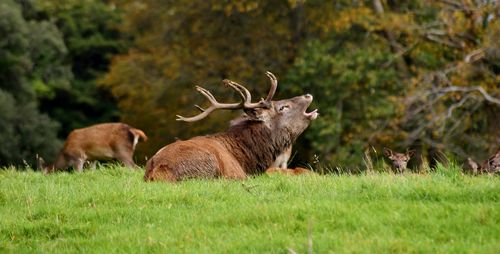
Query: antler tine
{"type": "Point", "coordinates": [274, 85]}
{"type": "Point", "coordinates": [248, 97]}
{"type": "Point", "coordinates": [207, 94]}
{"type": "Point", "coordinates": [199, 108]}
{"type": "Point", "coordinates": [246, 102]}
{"type": "Point", "coordinates": [215, 105]}
{"type": "Point", "coordinates": [197, 117]}
{"type": "Point", "coordinates": [238, 88]}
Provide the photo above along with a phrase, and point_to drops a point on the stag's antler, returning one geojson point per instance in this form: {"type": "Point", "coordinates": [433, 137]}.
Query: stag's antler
{"type": "Point", "coordinates": [274, 85]}
{"type": "Point", "coordinates": [246, 99]}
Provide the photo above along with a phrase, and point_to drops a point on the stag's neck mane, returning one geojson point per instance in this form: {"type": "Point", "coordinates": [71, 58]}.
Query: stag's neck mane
{"type": "Point", "coordinates": [256, 144]}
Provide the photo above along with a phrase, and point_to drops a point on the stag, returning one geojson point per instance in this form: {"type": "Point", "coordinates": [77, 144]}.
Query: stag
{"type": "Point", "coordinates": [249, 146]}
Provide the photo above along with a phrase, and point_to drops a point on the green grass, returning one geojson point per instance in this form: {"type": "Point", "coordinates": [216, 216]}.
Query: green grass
{"type": "Point", "coordinates": [112, 210]}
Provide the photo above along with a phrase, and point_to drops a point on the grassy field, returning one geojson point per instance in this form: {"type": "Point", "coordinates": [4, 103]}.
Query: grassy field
{"type": "Point", "coordinates": [111, 210]}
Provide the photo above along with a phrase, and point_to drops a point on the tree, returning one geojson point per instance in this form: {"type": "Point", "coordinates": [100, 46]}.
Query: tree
{"type": "Point", "coordinates": [454, 103]}
{"type": "Point", "coordinates": [30, 64]}
{"type": "Point", "coordinates": [25, 132]}
{"type": "Point", "coordinates": [428, 74]}
{"type": "Point", "coordinates": [355, 98]}
{"type": "Point", "coordinates": [91, 33]}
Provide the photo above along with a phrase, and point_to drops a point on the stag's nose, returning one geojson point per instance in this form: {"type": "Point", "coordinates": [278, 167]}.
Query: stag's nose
{"type": "Point", "coordinates": [308, 96]}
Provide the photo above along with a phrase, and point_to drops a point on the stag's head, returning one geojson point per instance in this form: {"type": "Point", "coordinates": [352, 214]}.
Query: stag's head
{"type": "Point", "coordinates": [289, 114]}
{"type": "Point", "coordinates": [399, 160]}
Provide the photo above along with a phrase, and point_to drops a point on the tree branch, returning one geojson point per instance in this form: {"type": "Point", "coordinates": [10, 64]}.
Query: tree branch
{"type": "Point", "coordinates": [435, 39]}
{"type": "Point", "coordinates": [475, 55]}
{"type": "Point", "coordinates": [481, 90]}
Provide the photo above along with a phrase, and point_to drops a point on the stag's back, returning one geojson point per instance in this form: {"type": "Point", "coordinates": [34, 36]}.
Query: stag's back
{"type": "Point", "coordinates": [200, 157]}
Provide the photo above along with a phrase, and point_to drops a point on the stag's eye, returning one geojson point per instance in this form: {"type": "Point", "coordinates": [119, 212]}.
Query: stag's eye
{"type": "Point", "coordinates": [283, 108]}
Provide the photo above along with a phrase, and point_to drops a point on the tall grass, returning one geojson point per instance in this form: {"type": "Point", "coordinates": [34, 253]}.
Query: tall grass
{"type": "Point", "coordinates": [111, 210]}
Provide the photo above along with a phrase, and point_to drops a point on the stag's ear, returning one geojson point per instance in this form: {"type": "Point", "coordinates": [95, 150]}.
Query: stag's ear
{"type": "Point", "coordinates": [257, 114]}
{"type": "Point", "coordinates": [410, 153]}
{"type": "Point", "coordinates": [387, 152]}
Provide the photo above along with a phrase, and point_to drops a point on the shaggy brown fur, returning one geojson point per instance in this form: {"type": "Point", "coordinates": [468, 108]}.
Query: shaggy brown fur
{"type": "Point", "coordinates": [250, 145]}
{"type": "Point", "coordinates": [98, 142]}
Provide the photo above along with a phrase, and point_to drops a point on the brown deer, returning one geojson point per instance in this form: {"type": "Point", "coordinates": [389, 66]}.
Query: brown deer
{"type": "Point", "coordinates": [399, 161]}
{"type": "Point", "coordinates": [98, 142]}
{"type": "Point", "coordinates": [249, 146]}
{"type": "Point", "coordinates": [491, 165]}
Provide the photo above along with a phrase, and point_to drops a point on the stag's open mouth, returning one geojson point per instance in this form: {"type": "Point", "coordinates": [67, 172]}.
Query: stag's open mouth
{"type": "Point", "coordinates": [313, 114]}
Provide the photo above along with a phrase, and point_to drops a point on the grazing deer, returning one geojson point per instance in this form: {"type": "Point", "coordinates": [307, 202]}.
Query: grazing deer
{"type": "Point", "coordinates": [251, 144]}
{"type": "Point", "coordinates": [399, 160]}
{"type": "Point", "coordinates": [491, 165]}
{"type": "Point", "coordinates": [98, 142]}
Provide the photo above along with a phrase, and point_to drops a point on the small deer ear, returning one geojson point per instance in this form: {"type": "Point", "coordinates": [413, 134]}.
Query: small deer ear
{"type": "Point", "coordinates": [257, 114]}
{"type": "Point", "coordinates": [410, 153]}
{"type": "Point", "coordinates": [387, 152]}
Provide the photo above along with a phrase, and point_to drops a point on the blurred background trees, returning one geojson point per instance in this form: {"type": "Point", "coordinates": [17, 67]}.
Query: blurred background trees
{"type": "Point", "coordinates": [420, 74]}
{"type": "Point", "coordinates": [32, 63]}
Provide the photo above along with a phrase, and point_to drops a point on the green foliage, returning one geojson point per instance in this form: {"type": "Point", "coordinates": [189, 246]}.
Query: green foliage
{"type": "Point", "coordinates": [32, 55]}
{"type": "Point", "coordinates": [31, 65]}
{"type": "Point", "coordinates": [353, 96]}
{"type": "Point", "coordinates": [14, 58]}
{"type": "Point", "coordinates": [113, 210]}
{"type": "Point", "coordinates": [90, 31]}
{"type": "Point", "coordinates": [25, 132]}
{"type": "Point", "coordinates": [377, 78]}
{"type": "Point", "coordinates": [48, 51]}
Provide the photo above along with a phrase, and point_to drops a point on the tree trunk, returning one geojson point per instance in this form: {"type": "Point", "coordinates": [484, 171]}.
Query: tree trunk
{"type": "Point", "coordinates": [396, 48]}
